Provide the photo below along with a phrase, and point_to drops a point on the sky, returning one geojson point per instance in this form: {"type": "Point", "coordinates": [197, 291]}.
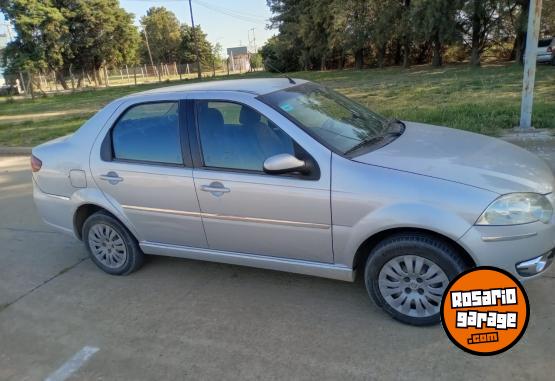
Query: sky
{"type": "Point", "coordinates": [225, 21]}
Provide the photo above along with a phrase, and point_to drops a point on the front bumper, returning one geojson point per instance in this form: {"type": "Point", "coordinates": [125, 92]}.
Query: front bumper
{"type": "Point", "coordinates": [536, 265]}
{"type": "Point", "coordinates": [518, 249]}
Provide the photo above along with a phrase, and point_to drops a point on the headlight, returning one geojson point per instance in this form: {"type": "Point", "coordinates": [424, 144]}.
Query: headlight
{"type": "Point", "coordinates": [517, 208]}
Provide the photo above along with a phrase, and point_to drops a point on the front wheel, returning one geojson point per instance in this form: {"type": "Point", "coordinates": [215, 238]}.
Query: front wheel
{"type": "Point", "coordinates": [407, 274]}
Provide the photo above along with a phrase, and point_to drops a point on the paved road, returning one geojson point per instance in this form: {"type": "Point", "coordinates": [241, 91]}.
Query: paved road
{"type": "Point", "coordinates": [182, 319]}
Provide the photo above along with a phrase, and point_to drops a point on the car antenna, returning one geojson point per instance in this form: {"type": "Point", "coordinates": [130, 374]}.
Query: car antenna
{"type": "Point", "coordinates": [291, 81]}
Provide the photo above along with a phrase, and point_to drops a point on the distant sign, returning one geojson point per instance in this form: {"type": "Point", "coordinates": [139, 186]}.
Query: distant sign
{"type": "Point", "coordinates": [237, 51]}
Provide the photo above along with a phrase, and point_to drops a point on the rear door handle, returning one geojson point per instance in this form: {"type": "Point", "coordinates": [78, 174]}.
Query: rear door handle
{"type": "Point", "coordinates": [111, 177]}
{"type": "Point", "coordinates": [216, 188]}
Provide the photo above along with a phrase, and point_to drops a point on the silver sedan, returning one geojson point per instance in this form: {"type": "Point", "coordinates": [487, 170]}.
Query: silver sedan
{"type": "Point", "coordinates": [288, 175]}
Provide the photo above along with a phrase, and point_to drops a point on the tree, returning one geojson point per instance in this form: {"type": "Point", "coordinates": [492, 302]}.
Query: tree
{"type": "Point", "coordinates": [62, 35]}
{"type": "Point", "coordinates": [163, 30]}
{"type": "Point", "coordinates": [278, 54]}
{"type": "Point", "coordinates": [187, 51]}
{"type": "Point", "coordinates": [255, 61]}
{"type": "Point", "coordinates": [100, 33]}
{"type": "Point", "coordinates": [39, 43]}
{"type": "Point", "coordinates": [481, 21]}
{"type": "Point", "coordinates": [351, 28]}
{"type": "Point", "coordinates": [435, 22]}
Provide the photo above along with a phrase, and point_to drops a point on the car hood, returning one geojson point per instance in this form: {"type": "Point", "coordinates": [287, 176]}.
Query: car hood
{"type": "Point", "coordinates": [464, 157]}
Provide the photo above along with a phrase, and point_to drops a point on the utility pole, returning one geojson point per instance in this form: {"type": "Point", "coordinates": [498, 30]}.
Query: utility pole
{"type": "Point", "coordinates": [148, 48]}
{"type": "Point", "coordinates": [253, 39]}
{"type": "Point", "coordinates": [533, 34]}
{"type": "Point", "coordinates": [199, 72]}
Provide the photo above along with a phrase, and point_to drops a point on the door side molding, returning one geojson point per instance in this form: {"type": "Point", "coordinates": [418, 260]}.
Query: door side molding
{"type": "Point", "coordinates": [230, 218]}
{"type": "Point", "coordinates": [324, 270]}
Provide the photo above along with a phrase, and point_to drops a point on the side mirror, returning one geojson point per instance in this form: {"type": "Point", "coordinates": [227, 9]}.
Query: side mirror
{"type": "Point", "coordinates": [284, 163]}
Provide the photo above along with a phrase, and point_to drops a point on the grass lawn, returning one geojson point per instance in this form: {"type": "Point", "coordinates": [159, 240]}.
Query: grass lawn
{"type": "Point", "coordinates": [484, 100]}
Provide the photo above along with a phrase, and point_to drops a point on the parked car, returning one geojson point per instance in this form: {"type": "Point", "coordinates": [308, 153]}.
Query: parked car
{"type": "Point", "coordinates": [289, 175]}
{"type": "Point", "coordinates": [546, 50]}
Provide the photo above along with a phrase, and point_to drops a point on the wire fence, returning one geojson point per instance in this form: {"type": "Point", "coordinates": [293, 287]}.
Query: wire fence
{"type": "Point", "coordinates": [43, 83]}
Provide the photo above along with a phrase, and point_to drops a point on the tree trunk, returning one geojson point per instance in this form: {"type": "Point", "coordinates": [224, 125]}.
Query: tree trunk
{"type": "Point", "coordinates": [437, 58]}
{"type": "Point", "coordinates": [323, 63]}
{"type": "Point", "coordinates": [30, 85]}
{"type": "Point", "coordinates": [106, 80]}
{"type": "Point", "coordinates": [341, 59]}
{"type": "Point", "coordinates": [359, 58]}
{"type": "Point", "coordinates": [381, 55]}
{"type": "Point", "coordinates": [60, 78]}
{"type": "Point", "coordinates": [406, 54]}
{"type": "Point", "coordinates": [475, 57]}
{"type": "Point", "coordinates": [398, 53]}
{"type": "Point", "coordinates": [519, 47]}
{"type": "Point", "coordinates": [98, 76]}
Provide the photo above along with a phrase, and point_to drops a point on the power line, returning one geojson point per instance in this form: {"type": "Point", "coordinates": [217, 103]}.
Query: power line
{"type": "Point", "coordinates": [243, 16]}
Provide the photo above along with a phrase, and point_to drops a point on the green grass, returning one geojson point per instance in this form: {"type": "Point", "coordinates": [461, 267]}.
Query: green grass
{"type": "Point", "coordinates": [484, 100]}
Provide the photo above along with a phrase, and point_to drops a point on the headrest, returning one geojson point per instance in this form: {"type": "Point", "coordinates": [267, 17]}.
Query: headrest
{"type": "Point", "coordinates": [212, 116]}
{"type": "Point", "coordinates": [248, 116]}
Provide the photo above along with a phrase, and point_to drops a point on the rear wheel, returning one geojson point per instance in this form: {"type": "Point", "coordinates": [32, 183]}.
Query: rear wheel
{"type": "Point", "coordinates": [407, 274]}
{"type": "Point", "coordinates": [111, 246]}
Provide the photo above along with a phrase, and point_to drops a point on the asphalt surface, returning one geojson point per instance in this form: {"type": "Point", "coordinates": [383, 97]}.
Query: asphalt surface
{"type": "Point", "coordinates": [182, 319]}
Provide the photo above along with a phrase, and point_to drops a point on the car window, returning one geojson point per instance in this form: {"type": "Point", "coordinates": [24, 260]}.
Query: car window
{"type": "Point", "coordinates": [544, 43]}
{"type": "Point", "coordinates": [149, 132]}
{"type": "Point", "coordinates": [235, 136]}
{"type": "Point", "coordinates": [333, 119]}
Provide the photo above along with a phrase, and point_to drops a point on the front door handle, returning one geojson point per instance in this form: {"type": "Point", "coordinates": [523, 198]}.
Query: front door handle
{"type": "Point", "coordinates": [216, 188]}
{"type": "Point", "coordinates": [111, 177]}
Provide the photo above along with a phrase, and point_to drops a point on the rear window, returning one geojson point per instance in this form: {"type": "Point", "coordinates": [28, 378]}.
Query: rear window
{"type": "Point", "coordinates": [544, 43]}
{"type": "Point", "coordinates": [149, 133]}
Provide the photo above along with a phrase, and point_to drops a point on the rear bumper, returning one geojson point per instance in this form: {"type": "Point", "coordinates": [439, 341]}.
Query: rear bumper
{"type": "Point", "coordinates": [545, 58]}
{"type": "Point", "coordinates": [56, 211]}
{"type": "Point", "coordinates": [517, 249]}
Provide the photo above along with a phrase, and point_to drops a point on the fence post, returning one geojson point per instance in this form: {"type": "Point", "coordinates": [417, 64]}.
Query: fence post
{"type": "Point", "coordinates": [135, 75]}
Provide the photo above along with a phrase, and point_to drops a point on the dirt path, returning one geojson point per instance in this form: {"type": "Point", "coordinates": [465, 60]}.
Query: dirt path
{"type": "Point", "coordinates": [43, 115]}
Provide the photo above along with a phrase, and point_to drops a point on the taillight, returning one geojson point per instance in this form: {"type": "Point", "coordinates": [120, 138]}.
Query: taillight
{"type": "Point", "coordinates": [36, 164]}
{"type": "Point", "coordinates": [549, 49]}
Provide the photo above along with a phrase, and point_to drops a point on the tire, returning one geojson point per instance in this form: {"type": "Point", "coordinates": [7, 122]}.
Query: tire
{"type": "Point", "coordinates": [407, 274]}
{"type": "Point", "coordinates": [110, 245]}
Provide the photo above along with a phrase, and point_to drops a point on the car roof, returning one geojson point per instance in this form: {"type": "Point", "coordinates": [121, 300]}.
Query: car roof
{"type": "Point", "coordinates": [257, 86]}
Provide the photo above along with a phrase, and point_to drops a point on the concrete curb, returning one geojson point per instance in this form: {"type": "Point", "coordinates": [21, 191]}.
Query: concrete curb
{"type": "Point", "coordinates": [539, 142]}
{"type": "Point", "coordinates": [14, 151]}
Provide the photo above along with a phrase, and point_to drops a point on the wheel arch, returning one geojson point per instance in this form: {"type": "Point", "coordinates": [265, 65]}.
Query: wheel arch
{"type": "Point", "coordinates": [86, 210]}
{"type": "Point", "coordinates": [363, 251]}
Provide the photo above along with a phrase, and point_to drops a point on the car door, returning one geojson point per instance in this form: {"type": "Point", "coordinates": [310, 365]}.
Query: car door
{"type": "Point", "coordinates": [244, 209]}
{"type": "Point", "coordinates": [143, 166]}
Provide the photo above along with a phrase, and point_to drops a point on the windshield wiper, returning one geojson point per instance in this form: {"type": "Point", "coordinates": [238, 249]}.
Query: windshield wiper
{"type": "Point", "coordinates": [375, 139]}
{"type": "Point", "coordinates": [363, 143]}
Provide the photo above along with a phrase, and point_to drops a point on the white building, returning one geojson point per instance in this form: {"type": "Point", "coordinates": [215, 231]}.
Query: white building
{"type": "Point", "coordinates": [239, 59]}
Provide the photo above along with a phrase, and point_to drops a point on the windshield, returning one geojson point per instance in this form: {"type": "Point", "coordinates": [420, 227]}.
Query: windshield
{"type": "Point", "coordinates": [338, 122]}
